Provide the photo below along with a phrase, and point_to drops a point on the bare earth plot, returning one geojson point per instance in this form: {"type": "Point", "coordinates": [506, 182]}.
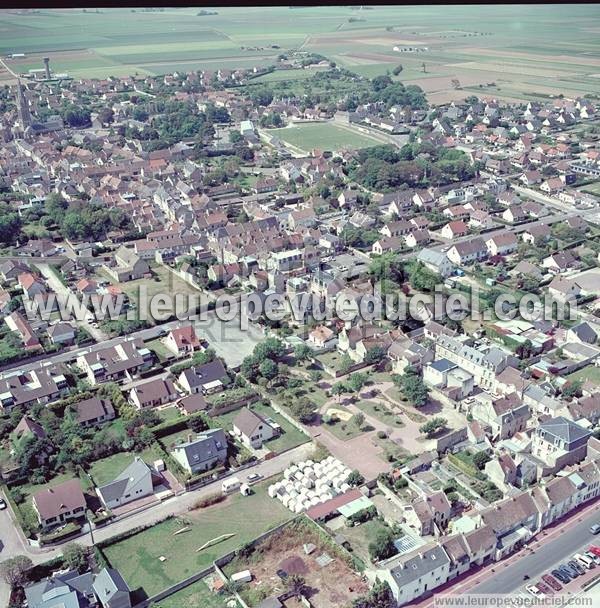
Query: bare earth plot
{"type": "Point", "coordinates": [331, 586]}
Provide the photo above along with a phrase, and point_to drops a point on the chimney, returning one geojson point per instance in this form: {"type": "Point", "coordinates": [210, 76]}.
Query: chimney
{"type": "Point", "coordinates": [47, 66]}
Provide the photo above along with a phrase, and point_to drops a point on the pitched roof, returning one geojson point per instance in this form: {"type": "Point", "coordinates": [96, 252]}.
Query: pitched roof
{"type": "Point", "coordinates": [247, 421]}
{"type": "Point", "coordinates": [564, 429]}
{"type": "Point", "coordinates": [110, 584]}
{"type": "Point", "coordinates": [206, 446]}
{"type": "Point", "coordinates": [92, 408]}
{"type": "Point", "coordinates": [126, 480]}
{"type": "Point", "coordinates": [63, 498]}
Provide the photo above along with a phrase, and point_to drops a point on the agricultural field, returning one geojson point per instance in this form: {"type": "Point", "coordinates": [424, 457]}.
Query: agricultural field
{"type": "Point", "coordinates": [325, 136]}
{"type": "Point", "coordinates": [510, 52]}
{"type": "Point", "coordinates": [138, 557]}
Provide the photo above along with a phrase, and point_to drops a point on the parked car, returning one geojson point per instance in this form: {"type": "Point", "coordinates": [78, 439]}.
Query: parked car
{"type": "Point", "coordinates": [584, 561]}
{"type": "Point", "coordinates": [545, 589]}
{"type": "Point", "coordinates": [552, 582]}
{"type": "Point", "coordinates": [254, 477]}
{"type": "Point", "coordinates": [561, 576]}
{"type": "Point", "coordinates": [571, 571]}
{"type": "Point", "coordinates": [533, 590]}
{"type": "Point", "coordinates": [576, 566]}
{"type": "Point", "coordinates": [595, 550]}
{"type": "Point", "coordinates": [595, 529]}
{"type": "Point", "coordinates": [595, 558]}
{"type": "Point", "coordinates": [2, 504]}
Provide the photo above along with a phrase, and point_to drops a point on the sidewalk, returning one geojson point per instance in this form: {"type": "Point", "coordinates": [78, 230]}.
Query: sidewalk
{"type": "Point", "coordinates": [468, 581]}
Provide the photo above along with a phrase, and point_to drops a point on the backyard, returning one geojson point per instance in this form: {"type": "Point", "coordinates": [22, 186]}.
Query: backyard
{"type": "Point", "coordinates": [139, 557]}
{"type": "Point", "coordinates": [105, 470]}
{"type": "Point", "coordinates": [590, 373]}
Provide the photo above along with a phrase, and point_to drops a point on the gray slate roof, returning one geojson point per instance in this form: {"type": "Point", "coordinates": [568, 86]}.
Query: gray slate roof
{"type": "Point", "coordinates": [110, 584]}
{"type": "Point", "coordinates": [206, 446]}
{"type": "Point", "coordinates": [126, 480]}
{"type": "Point", "coordinates": [419, 565]}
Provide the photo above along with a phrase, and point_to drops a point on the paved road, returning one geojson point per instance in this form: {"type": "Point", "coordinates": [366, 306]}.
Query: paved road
{"type": "Point", "coordinates": [226, 337]}
{"type": "Point", "coordinates": [546, 555]}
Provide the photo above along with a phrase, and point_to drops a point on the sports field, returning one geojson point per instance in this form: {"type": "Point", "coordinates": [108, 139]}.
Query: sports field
{"type": "Point", "coordinates": [324, 136]}
{"type": "Point", "coordinates": [506, 51]}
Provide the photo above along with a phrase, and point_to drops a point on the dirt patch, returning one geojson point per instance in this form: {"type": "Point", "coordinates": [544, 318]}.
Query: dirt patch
{"type": "Point", "coordinates": [331, 586]}
{"type": "Point", "coordinates": [294, 565]}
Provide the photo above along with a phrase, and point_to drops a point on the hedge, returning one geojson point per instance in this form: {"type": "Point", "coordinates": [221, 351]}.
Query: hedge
{"type": "Point", "coordinates": [175, 426]}
{"type": "Point", "coordinates": [470, 469]}
{"type": "Point", "coordinates": [113, 540]}
{"type": "Point", "coordinates": [69, 530]}
{"type": "Point", "coordinates": [230, 396]}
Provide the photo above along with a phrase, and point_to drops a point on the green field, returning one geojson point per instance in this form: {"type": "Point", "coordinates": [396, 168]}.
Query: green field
{"type": "Point", "coordinates": [137, 557]}
{"type": "Point", "coordinates": [379, 412]}
{"type": "Point", "coordinates": [593, 188]}
{"type": "Point", "coordinates": [325, 136]}
{"type": "Point", "coordinates": [591, 373]}
{"type": "Point", "coordinates": [197, 595]}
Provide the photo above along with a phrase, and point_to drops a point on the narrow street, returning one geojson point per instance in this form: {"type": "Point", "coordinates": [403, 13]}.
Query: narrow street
{"type": "Point", "coordinates": [65, 294]}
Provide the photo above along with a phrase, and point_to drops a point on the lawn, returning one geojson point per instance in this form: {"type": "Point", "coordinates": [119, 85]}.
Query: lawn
{"type": "Point", "coordinates": [137, 557]}
{"type": "Point", "coordinates": [593, 188]}
{"type": "Point", "coordinates": [331, 360]}
{"type": "Point", "coordinates": [325, 136]}
{"type": "Point", "coordinates": [343, 430]}
{"type": "Point", "coordinates": [380, 412]}
{"type": "Point", "coordinates": [105, 470]}
{"type": "Point", "coordinates": [290, 438]}
{"type": "Point", "coordinates": [168, 414]}
{"type": "Point", "coordinates": [162, 352]}
{"type": "Point", "coordinates": [590, 373]}
{"type": "Point", "coordinates": [197, 595]}
{"type": "Point", "coordinates": [163, 282]}
{"type": "Point", "coordinates": [360, 537]}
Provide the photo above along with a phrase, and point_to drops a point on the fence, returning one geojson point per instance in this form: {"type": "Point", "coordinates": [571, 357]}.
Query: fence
{"type": "Point", "coordinates": [175, 588]}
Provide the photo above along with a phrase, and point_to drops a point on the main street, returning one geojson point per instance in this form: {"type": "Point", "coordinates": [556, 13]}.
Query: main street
{"type": "Point", "coordinates": [551, 546]}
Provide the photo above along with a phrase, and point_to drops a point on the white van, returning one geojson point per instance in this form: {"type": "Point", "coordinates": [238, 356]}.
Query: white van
{"type": "Point", "coordinates": [230, 485]}
{"type": "Point", "coordinates": [584, 560]}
